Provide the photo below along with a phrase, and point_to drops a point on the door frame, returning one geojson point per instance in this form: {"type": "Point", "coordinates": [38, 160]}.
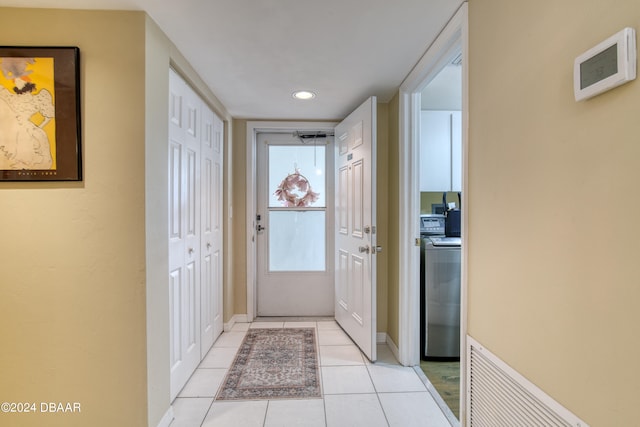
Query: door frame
{"type": "Point", "coordinates": [452, 40]}
{"type": "Point", "coordinates": [253, 128]}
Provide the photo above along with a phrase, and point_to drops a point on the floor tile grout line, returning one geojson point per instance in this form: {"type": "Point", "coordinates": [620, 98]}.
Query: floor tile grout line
{"type": "Point", "coordinates": [386, 418]}
{"type": "Point", "coordinates": [208, 410]}
{"type": "Point", "coordinates": [266, 411]}
{"type": "Point", "coordinates": [324, 401]}
{"type": "Point", "coordinates": [377, 394]}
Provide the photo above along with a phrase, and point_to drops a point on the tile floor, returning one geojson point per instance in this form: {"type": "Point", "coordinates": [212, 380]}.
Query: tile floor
{"type": "Point", "coordinates": [355, 391]}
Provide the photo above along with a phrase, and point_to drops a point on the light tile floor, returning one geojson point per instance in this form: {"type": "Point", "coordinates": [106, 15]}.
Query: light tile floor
{"type": "Point", "coordinates": [356, 392]}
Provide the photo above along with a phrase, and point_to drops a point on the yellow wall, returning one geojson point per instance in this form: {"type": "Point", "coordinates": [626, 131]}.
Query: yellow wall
{"type": "Point", "coordinates": [239, 230]}
{"type": "Point", "coordinates": [382, 212]}
{"type": "Point", "coordinates": [429, 197]}
{"type": "Point", "coordinates": [393, 263]}
{"type": "Point", "coordinates": [553, 271]}
{"type": "Point", "coordinates": [73, 254]}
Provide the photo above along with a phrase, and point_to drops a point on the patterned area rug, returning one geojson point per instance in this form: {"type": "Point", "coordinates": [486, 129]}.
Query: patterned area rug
{"type": "Point", "coordinates": [274, 364]}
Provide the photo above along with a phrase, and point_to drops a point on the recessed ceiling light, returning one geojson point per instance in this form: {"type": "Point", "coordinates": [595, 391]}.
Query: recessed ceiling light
{"type": "Point", "coordinates": [304, 94]}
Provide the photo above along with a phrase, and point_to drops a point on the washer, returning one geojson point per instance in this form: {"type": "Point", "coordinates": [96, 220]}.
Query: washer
{"type": "Point", "coordinates": [440, 291]}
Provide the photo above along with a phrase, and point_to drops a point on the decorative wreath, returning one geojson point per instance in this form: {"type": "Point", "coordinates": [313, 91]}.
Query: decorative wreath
{"type": "Point", "coordinates": [295, 191]}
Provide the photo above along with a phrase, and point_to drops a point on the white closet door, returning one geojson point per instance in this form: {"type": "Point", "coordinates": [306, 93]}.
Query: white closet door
{"type": "Point", "coordinates": [184, 231]}
{"type": "Point", "coordinates": [218, 239]}
{"type": "Point", "coordinates": [211, 223]}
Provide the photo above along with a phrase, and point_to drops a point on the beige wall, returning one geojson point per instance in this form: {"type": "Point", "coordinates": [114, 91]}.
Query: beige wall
{"type": "Point", "coordinates": [553, 271]}
{"type": "Point", "coordinates": [382, 212]}
{"type": "Point", "coordinates": [431, 197]}
{"type": "Point", "coordinates": [393, 262]}
{"type": "Point", "coordinates": [156, 217]}
{"type": "Point", "coordinates": [239, 230]}
{"type": "Point", "coordinates": [73, 258]}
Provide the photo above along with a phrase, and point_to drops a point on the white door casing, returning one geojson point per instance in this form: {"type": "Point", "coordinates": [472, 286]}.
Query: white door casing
{"type": "Point", "coordinates": [355, 231]}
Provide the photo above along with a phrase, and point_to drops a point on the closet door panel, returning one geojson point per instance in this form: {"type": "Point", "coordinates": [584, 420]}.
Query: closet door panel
{"type": "Point", "coordinates": [184, 232]}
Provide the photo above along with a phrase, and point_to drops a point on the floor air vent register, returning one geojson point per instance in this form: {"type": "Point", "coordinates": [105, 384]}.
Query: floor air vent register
{"type": "Point", "coordinates": [499, 396]}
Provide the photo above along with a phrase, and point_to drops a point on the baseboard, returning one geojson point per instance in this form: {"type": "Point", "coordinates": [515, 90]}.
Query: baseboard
{"type": "Point", "coordinates": [167, 418]}
{"type": "Point", "coordinates": [381, 337]}
{"type": "Point", "coordinates": [393, 347]}
{"type": "Point", "coordinates": [237, 318]}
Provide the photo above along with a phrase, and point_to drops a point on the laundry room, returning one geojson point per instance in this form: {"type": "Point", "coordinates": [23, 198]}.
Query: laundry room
{"type": "Point", "coordinates": [440, 232]}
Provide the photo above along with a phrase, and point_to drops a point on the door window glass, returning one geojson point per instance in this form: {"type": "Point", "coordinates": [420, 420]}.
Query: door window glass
{"type": "Point", "coordinates": [301, 168]}
{"type": "Point", "coordinates": [297, 241]}
{"type": "Point", "coordinates": [297, 207]}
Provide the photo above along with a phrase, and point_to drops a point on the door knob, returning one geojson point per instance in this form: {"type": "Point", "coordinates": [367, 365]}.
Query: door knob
{"type": "Point", "coordinates": [363, 249]}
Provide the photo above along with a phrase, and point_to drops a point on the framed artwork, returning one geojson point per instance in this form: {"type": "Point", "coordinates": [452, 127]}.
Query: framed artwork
{"type": "Point", "coordinates": [40, 133]}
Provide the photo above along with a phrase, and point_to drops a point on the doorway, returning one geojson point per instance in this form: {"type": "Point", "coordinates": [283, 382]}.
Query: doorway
{"type": "Point", "coordinates": [254, 129]}
{"type": "Point", "coordinates": [451, 42]}
{"type": "Point", "coordinates": [440, 173]}
{"type": "Point", "coordinates": [294, 224]}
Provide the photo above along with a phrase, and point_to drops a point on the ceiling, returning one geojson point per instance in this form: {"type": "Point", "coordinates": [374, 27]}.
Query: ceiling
{"type": "Point", "coordinates": [254, 54]}
{"type": "Point", "coordinates": [444, 92]}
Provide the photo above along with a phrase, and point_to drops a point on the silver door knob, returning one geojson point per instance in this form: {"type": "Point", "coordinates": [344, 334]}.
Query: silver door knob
{"type": "Point", "coordinates": [363, 249]}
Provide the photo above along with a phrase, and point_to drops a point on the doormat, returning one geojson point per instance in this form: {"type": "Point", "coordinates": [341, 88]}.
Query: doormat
{"type": "Point", "coordinates": [274, 364]}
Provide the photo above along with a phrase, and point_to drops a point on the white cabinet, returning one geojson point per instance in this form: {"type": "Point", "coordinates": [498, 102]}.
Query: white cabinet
{"type": "Point", "coordinates": [440, 151]}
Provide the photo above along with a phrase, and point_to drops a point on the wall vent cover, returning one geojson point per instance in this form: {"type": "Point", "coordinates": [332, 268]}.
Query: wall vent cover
{"type": "Point", "coordinates": [499, 396]}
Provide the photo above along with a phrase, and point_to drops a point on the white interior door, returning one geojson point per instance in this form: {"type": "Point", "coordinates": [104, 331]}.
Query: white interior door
{"type": "Point", "coordinates": [355, 231]}
{"type": "Point", "coordinates": [184, 231]}
{"type": "Point", "coordinates": [295, 209]}
{"type": "Point", "coordinates": [211, 320]}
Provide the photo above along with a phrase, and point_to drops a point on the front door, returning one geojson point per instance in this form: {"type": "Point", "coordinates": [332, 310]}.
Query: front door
{"type": "Point", "coordinates": [295, 210]}
{"type": "Point", "coordinates": [355, 231]}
